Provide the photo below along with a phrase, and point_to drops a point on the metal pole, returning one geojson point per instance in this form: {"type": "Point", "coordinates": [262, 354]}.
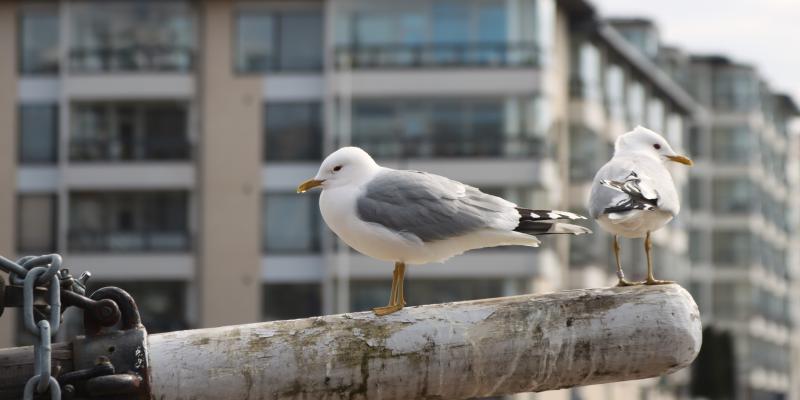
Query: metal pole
{"type": "Point", "coordinates": [458, 350]}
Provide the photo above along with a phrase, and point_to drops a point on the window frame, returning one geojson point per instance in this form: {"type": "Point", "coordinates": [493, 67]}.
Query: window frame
{"type": "Point", "coordinates": [55, 134]}
{"type": "Point", "coordinates": [277, 13]}
{"type": "Point", "coordinates": [40, 9]}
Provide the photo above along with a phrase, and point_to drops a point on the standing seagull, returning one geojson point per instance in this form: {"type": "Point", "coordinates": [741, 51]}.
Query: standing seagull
{"type": "Point", "coordinates": [633, 194]}
{"type": "Point", "coordinates": [412, 217]}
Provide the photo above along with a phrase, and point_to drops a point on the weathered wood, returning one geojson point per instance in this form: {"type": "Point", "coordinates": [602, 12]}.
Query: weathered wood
{"type": "Point", "coordinates": [457, 350]}
{"type": "Point", "coordinates": [16, 367]}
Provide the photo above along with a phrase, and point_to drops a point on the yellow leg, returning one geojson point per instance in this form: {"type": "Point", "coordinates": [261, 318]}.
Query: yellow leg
{"type": "Point", "coordinates": [648, 246]}
{"type": "Point", "coordinates": [396, 300]}
{"type": "Point", "coordinates": [620, 274]}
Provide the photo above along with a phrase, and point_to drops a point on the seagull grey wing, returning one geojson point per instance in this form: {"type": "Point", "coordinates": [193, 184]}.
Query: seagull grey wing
{"type": "Point", "coordinates": [626, 184]}
{"type": "Point", "coordinates": [430, 207]}
{"type": "Point", "coordinates": [639, 195]}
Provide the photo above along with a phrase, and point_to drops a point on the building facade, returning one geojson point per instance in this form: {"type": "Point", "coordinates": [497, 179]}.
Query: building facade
{"type": "Point", "coordinates": [742, 221]}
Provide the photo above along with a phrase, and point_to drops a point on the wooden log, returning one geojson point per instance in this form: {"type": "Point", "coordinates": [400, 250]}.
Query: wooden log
{"type": "Point", "coordinates": [456, 350]}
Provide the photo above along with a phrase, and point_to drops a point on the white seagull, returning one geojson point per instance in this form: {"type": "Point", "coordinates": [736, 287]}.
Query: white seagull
{"type": "Point", "coordinates": [633, 194]}
{"type": "Point", "coordinates": [413, 217]}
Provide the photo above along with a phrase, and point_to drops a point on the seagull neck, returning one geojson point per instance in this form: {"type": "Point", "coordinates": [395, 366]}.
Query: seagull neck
{"type": "Point", "coordinates": [369, 173]}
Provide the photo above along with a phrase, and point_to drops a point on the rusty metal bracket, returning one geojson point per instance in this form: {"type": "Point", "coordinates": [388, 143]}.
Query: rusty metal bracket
{"type": "Point", "coordinates": [123, 350]}
{"type": "Point", "coordinates": [126, 352]}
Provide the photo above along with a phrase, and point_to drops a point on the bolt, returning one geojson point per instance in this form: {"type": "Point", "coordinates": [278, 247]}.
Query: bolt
{"type": "Point", "coordinates": [105, 312]}
{"type": "Point", "coordinates": [84, 277]}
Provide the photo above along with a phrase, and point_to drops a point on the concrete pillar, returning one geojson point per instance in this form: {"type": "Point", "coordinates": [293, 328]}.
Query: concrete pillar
{"type": "Point", "coordinates": [8, 142]}
{"type": "Point", "coordinates": [229, 178]}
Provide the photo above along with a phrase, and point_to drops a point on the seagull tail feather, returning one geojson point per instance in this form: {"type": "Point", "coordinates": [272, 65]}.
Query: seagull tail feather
{"type": "Point", "coordinates": [550, 228]}
{"type": "Point", "coordinates": [548, 222]}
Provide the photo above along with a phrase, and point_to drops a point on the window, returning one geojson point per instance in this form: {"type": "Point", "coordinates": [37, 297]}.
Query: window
{"type": "Point", "coordinates": [293, 131]}
{"type": "Point", "coordinates": [291, 300]}
{"type": "Point", "coordinates": [735, 89]}
{"type": "Point", "coordinates": [635, 104]}
{"type": "Point", "coordinates": [36, 223]}
{"type": "Point", "coordinates": [129, 221]}
{"type": "Point", "coordinates": [733, 195]}
{"type": "Point", "coordinates": [38, 132]}
{"type": "Point", "coordinates": [615, 92]}
{"type": "Point", "coordinates": [696, 185]}
{"type": "Point", "coordinates": [583, 157]}
{"type": "Point", "coordinates": [279, 41]}
{"type": "Point", "coordinates": [132, 36]}
{"type": "Point", "coordinates": [588, 83]}
{"type": "Point", "coordinates": [731, 248]}
{"type": "Point", "coordinates": [291, 223]}
{"type": "Point", "coordinates": [655, 115]}
{"type": "Point", "coordinates": [732, 144]}
{"type": "Point", "coordinates": [727, 298]}
{"type": "Point", "coordinates": [698, 246]}
{"type": "Point", "coordinates": [438, 33]}
{"type": "Point", "coordinates": [38, 32]}
{"type": "Point", "coordinates": [444, 128]}
{"type": "Point", "coordinates": [129, 132]}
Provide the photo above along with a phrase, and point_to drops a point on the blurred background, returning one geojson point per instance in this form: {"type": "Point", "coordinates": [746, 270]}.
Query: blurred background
{"type": "Point", "coordinates": [158, 144]}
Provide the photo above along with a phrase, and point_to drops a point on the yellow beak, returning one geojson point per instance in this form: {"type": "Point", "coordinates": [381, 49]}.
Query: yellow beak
{"type": "Point", "coordinates": [308, 185]}
{"type": "Point", "coordinates": [681, 159]}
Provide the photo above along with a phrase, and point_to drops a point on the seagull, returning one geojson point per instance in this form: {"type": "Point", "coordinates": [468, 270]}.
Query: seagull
{"type": "Point", "coordinates": [413, 217]}
{"type": "Point", "coordinates": [633, 194]}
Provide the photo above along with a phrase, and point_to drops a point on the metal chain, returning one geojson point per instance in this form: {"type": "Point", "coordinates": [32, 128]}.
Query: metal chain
{"type": "Point", "coordinates": [31, 272]}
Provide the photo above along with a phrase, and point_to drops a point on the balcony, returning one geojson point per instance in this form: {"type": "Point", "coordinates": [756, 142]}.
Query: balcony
{"type": "Point", "coordinates": [438, 55]}
{"type": "Point", "coordinates": [81, 240]}
{"type": "Point", "coordinates": [119, 150]}
{"type": "Point", "coordinates": [129, 131]}
{"type": "Point", "coordinates": [132, 59]}
{"type": "Point", "coordinates": [129, 221]}
{"type": "Point", "coordinates": [492, 146]}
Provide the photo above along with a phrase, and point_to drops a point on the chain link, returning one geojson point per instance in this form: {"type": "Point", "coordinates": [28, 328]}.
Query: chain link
{"type": "Point", "coordinates": [30, 272]}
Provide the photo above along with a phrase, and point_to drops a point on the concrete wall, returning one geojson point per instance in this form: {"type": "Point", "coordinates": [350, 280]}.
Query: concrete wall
{"type": "Point", "coordinates": [229, 178]}
{"type": "Point", "coordinates": [8, 141]}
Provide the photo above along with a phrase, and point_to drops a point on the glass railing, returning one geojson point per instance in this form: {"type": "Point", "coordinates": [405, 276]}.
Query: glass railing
{"type": "Point", "coordinates": [132, 59]}
{"type": "Point", "coordinates": [427, 147]}
{"type": "Point", "coordinates": [128, 241]}
{"type": "Point", "coordinates": [437, 55]}
{"type": "Point", "coordinates": [105, 149]}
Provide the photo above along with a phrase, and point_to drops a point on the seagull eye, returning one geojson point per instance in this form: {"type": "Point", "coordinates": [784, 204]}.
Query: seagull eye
{"type": "Point", "coordinates": [657, 146]}
{"type": "Point", "coordinates": [337, 168]}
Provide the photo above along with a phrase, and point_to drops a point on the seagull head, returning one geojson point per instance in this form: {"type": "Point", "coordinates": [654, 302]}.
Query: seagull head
{"type": "Point", "coordinates": [342, 167]}
{"type": "Point", "coordinates": [643, 141]}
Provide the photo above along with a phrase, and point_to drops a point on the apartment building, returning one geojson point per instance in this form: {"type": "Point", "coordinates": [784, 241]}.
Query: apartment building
{"type": "Point", "coordinates": [741, 219]}
{"type": "Point", "coordinates": [158, 144]}
{"type": "Point", "coordinates": [741, 228]}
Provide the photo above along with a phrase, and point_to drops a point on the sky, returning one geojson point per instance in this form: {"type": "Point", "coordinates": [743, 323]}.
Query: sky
{"type": "Point", "coordinates": [763, 33]}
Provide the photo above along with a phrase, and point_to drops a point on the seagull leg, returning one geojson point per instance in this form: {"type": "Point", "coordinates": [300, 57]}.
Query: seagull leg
{"type": "Point", "coordinates": [648, 246]}
{"type": "Point", "coordinates": [397, 286]}
{"type": "Point", "coordinates": [401, 276]}
{"type": "Point", "coordinates": [620, 274]}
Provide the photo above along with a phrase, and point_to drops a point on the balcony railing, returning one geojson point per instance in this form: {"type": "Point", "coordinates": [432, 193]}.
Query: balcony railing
{"type": "Point", "coordinates": [129, 241]}
{"type": "Point", "coordinates": [170, 148]}
{"type": "Point", "coordinates": [437, 55]}
{"type": "Point", "coordinates": [427, 147]}
{"type": "Point", "coordinates": [132, 59]}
